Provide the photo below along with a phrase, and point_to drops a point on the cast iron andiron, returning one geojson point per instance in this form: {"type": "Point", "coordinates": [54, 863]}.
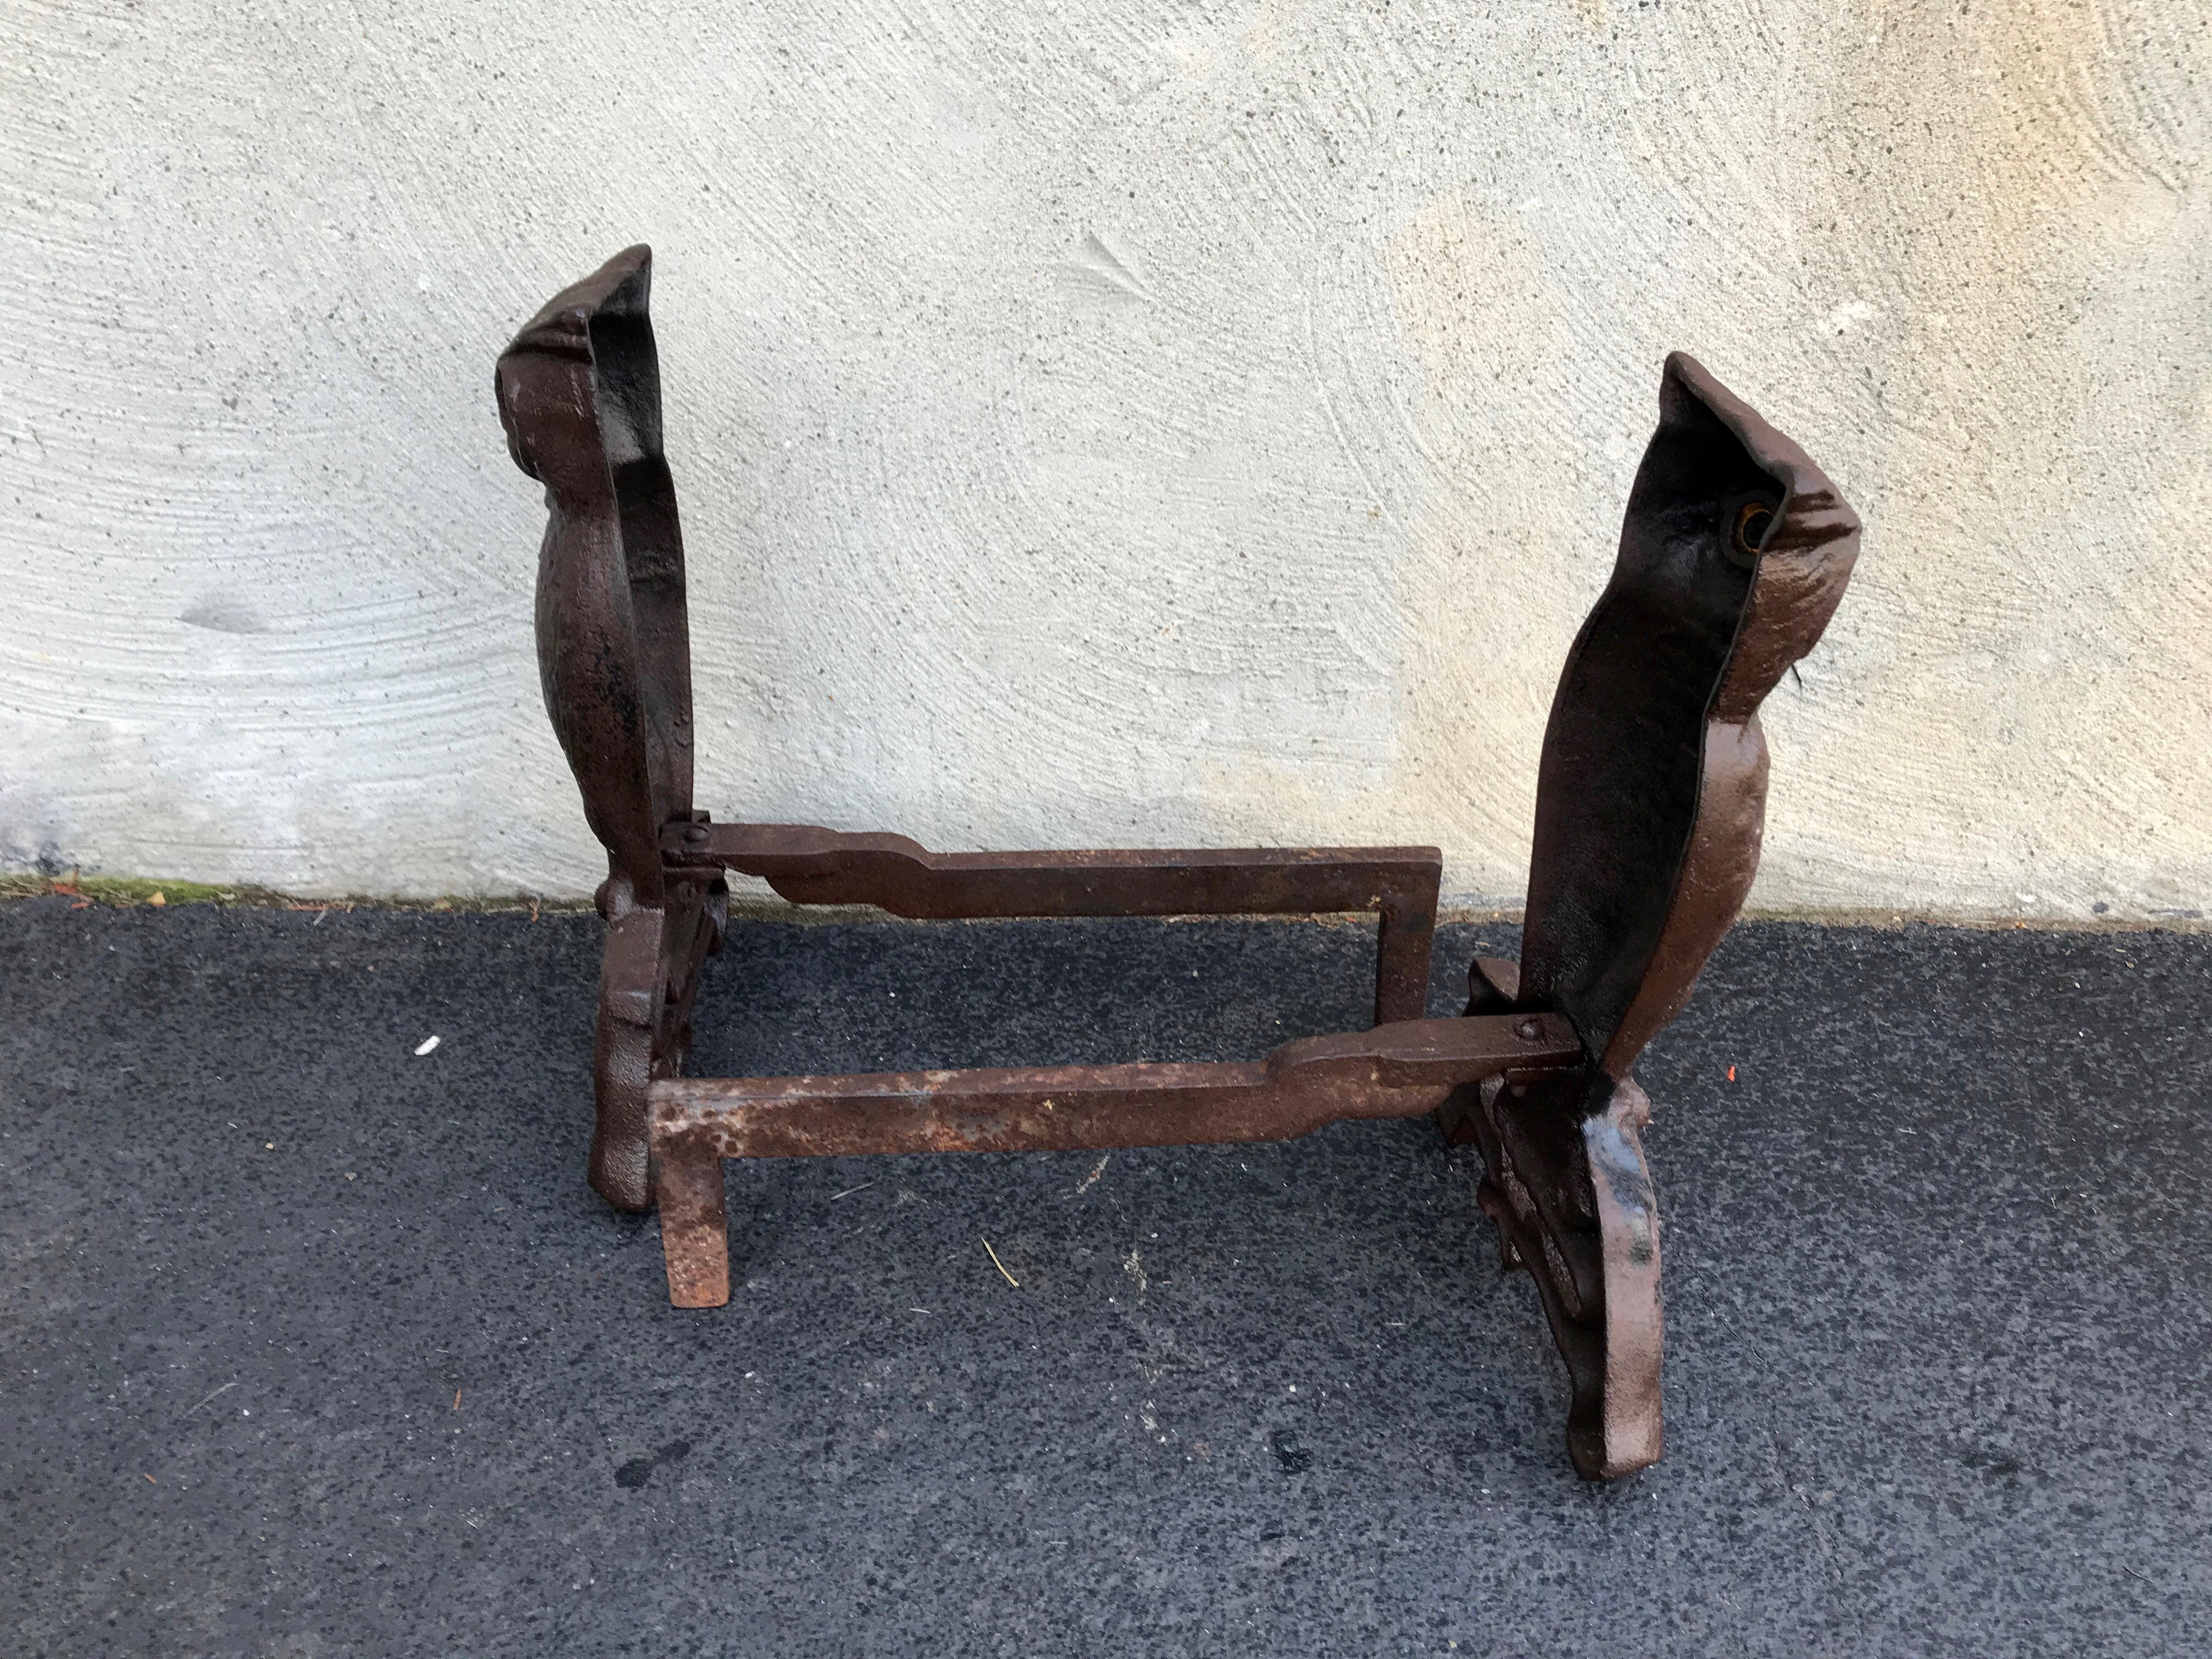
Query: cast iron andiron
{"type": "Point", "coordinates": [1650, 798]}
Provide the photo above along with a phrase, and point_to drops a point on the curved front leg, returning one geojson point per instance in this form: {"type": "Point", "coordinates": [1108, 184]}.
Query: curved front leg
{"type": "Point", "coordinates": [1571, 1197]}
{"type": "Point", "coordinates": [1650, 802]}
{"type": "Point", "coordinates": [648, 980]}
{"type": "Point", "coordinates": [632, 1002]}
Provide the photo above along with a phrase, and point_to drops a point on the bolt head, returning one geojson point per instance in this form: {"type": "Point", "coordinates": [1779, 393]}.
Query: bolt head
{"type": "Point", "coordinates": [1527, 1030]}
{"type": "Point", "coordinates": [696, 832]}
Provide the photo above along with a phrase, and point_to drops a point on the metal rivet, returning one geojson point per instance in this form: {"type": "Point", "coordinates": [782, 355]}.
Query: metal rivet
{"type": "Point", "coordinates": [1527, 1030]}
{"type": "Point", "coordinates": [696, 832]}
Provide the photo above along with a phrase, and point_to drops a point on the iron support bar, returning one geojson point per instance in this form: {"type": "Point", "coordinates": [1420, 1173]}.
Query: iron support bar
{"type": "Point", "coordinates": [1402, 1070]}
{"type": "Point", "coordinates": [809, 865]}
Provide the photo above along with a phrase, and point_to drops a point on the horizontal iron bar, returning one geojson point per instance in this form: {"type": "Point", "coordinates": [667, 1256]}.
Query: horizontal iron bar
{"type": "Point", "coordinates": [809, 865]}
{"type": "Point", "coordinates": [1400, 1070]}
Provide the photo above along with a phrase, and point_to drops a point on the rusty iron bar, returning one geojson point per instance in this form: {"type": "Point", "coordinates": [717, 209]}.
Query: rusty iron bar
{"type": "Point", "coordinates": [809, 865]}
{"type": "Point", "coordinates": [1402, 1070]}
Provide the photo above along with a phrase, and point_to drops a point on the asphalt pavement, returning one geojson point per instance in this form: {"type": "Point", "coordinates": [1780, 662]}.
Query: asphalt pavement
{"type": "Point", "coordinates": [316, 1344]}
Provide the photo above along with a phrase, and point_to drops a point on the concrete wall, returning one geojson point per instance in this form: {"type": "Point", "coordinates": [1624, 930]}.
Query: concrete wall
{"type": "Point", "coordinates": [1104, 422]}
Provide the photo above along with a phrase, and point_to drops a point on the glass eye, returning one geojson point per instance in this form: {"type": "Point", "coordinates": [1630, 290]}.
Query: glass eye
{"type": "Point", "coordinates": [1752, 521]}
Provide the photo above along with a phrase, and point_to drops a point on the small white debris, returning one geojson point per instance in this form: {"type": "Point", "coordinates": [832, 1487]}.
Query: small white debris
{"type": "Point", "coordinates": [1133, 1265]}
{"type": "Point", "coordinates": [425, 1046]}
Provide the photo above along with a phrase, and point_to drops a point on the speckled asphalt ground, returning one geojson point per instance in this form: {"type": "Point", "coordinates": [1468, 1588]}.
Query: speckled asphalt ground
{"type": "Point", "coordinates": [316, 1347]}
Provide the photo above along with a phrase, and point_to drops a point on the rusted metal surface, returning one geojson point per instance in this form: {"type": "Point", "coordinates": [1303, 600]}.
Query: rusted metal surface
{"type": "Point", "coordinates": [809, 865]}
{"type": "Point", "coordinates": [695, 1229]}
{"type": "Point", "coordinates": [1734, 552]}
{"type": "Point", "coordinates": [1402, 1070]}
{"type": "Point", "coordinates": [1393, 1071]}
{"type": "Point", "coordinates": [579, 391]}
{"type": "Point", "coordinates": [1651, 798]}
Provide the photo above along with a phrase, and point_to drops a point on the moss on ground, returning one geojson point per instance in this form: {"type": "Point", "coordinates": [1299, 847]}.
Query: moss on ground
{"type": "Point", "coordinates": [122, 892]}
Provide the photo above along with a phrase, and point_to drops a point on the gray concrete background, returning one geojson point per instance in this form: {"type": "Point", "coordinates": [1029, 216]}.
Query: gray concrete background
{"type": "Point", "coordinates": [1102, 423]}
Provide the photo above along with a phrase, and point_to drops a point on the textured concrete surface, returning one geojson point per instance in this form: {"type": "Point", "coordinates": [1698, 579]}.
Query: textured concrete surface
{"type": "Point", "coordinates": [1104, 421]}
{"type": "Point", "coordinates": [316, 1348]}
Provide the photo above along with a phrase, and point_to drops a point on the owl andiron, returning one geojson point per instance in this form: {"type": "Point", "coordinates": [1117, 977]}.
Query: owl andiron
{"type": "Point", "coordinates": [1651, 798]}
